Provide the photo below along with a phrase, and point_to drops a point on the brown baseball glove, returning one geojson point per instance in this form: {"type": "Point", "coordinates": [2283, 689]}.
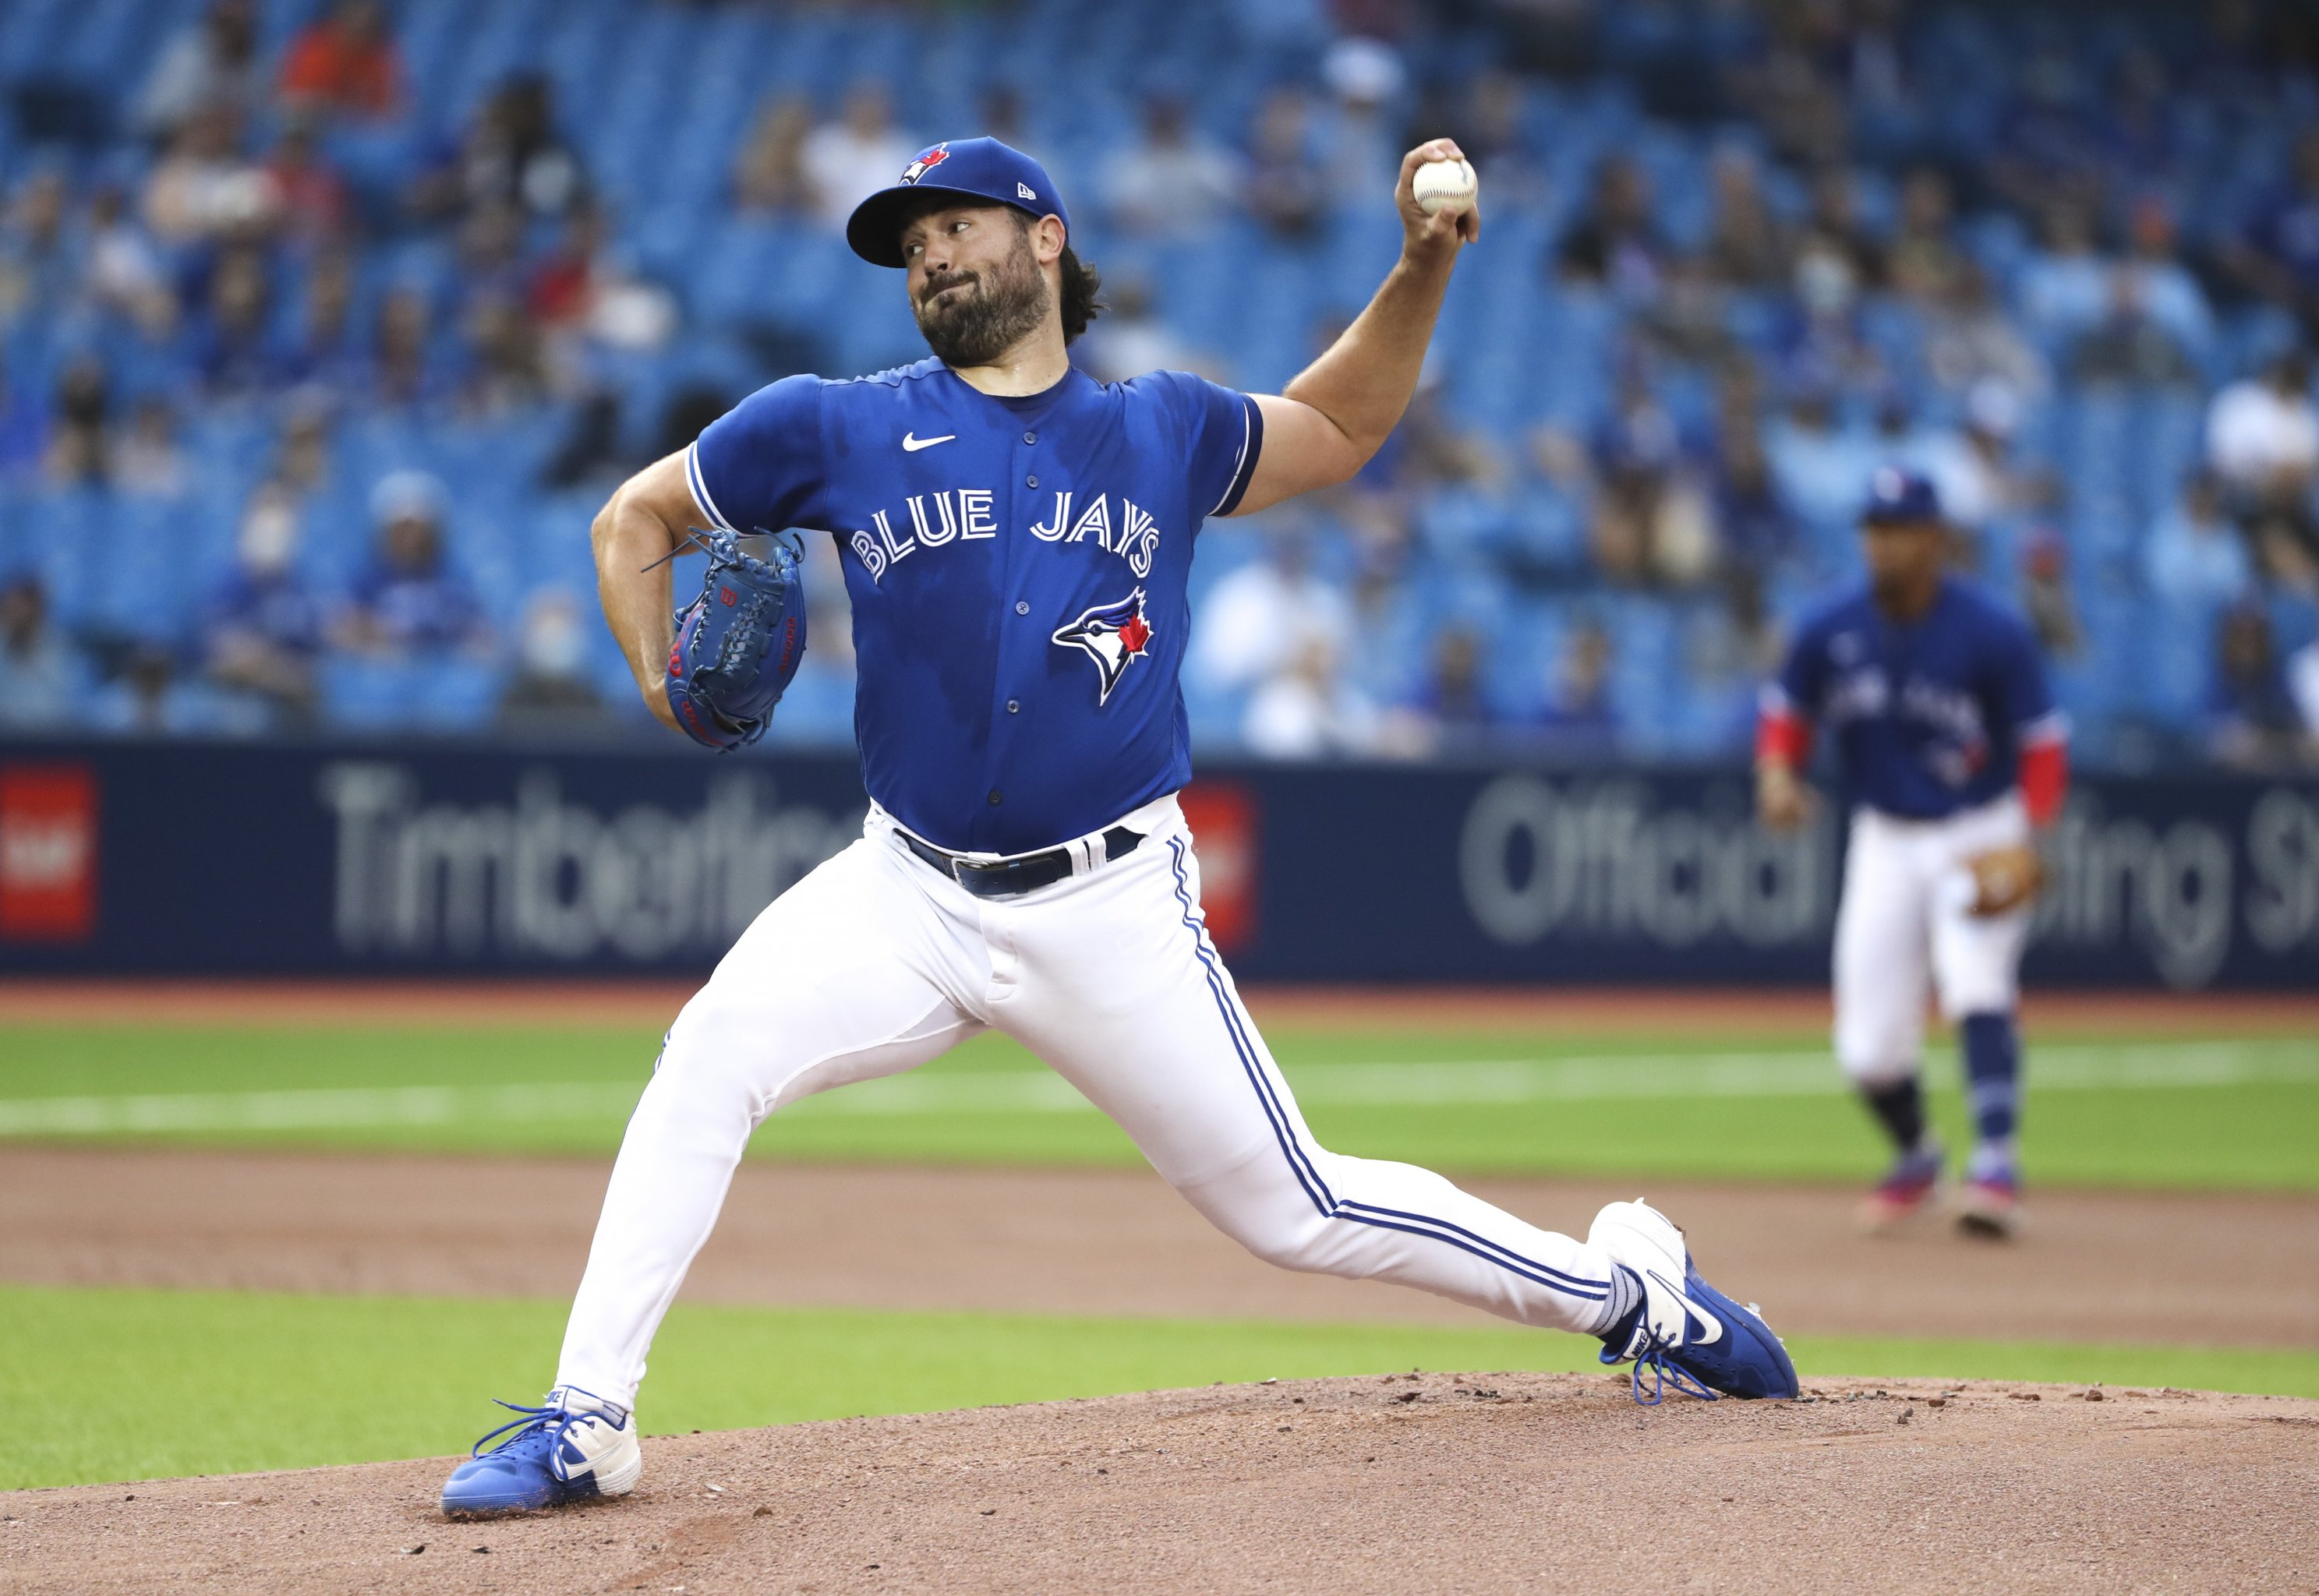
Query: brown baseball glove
{"type": "Point", "coordinates": [2005, 879]}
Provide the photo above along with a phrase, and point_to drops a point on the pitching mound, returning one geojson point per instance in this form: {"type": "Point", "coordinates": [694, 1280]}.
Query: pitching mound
{"type": "Point", "coordinates": [1494, 1482]}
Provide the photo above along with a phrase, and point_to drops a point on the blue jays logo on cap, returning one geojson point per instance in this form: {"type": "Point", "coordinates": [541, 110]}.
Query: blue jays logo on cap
{"type": "Point", "coordinates": [924, 161]}
{"type": "Point", "coordinates": [1113, 635]}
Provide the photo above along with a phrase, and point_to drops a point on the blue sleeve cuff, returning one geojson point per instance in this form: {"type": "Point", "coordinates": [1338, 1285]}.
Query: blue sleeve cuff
{"type": "Point", "coordinates": [1251, 445]}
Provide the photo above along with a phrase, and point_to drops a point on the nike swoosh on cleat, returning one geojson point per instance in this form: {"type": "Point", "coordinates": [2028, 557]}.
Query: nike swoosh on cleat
{"type": "Point", "coordinates": [912, 445]}
{"type": "Point", "coordinates": [1712, 1326]}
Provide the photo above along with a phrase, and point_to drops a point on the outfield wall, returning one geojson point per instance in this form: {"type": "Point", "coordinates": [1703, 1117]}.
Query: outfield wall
{"type": "Point", "coordinates": [346, 859]}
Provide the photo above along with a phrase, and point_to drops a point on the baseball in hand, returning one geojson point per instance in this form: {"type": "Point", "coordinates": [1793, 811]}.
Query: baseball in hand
{"type": "Point", "coordinates": [1445, 185]}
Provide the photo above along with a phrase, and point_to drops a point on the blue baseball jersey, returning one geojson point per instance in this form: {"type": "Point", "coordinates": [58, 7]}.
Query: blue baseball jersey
{"type": "Point", "coordinates": [1928, 718]}
{"type": "Point", "coordinates": [1018, 570]}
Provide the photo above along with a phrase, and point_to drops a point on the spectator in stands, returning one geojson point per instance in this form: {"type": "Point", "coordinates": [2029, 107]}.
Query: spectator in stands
{"type": "Point", "coordinates": [1131, 340]}
{"type": "Point", "coordinates": [506, 368]}
{"type": "Point", "coordinates": [770, 175]}
{"type": "Point", "coordinates": [1924, 261]}
{"type": "Point", "coordinates": [2045, 594]}
{"type": "Point", "coordinates": [1578, 716]}
{"type": "Point", "coordinates": [1364, 77]}
{"type": "Point", "coordinates": [212, 62]}
{"type": "Point", "coordinates": [311, 204]}
{"type": "Point", "coordinates": [1308, 710]}
{"type": "Point", "coordinates": [2277, 255]}
{"type": "Point", "coordinates": [150, 462]}
{"type": "Point", "coordinates": [1172, 181]}
{"type": "Point", "coordinates": [2167, 289]}
{"type": "Point", "coordinates": [1753, 530]}
{"type": "Point", "coordinates": [2194, 557]}
{"type": "Point", "coordinates": [550, 690]}
{"type": "Point", "coordinates": [2253, 720]}
{"type": "Point", "coordinates": [409, 601]}
{"type": "Point", "coordinates": [1287, 189]}
{"type": "Point", "coordinates": [344, 63]}
{"type": "Point", "coordinates": [1834, 222]}
{"type": "Point", "coordinates": [204, 189]}
{"type": "Point", "coordinates": [852, 157]}
{"type": "Point", "coordinates": [122, 273]}
{"type": "Point", "coordinates": [1822, 341]}
{"type": "Point", "coordinates": [1744, 246]}
{"type": "Point", "coordinates": [1971, 340]}
{"type": "Point", "coordinates": [261, 631]}
{"type": "Point", "coordinates": [1450, 703]}
{"type": "Point", "coordinates": [584, 289]}
{"type": "Point", "coordinates": [2128, 345]}
{"type": "Point", "coordinates": [301, 454]}
{"type": "Point", "coordinates": [232, 338]}
{"type": "Point", "coordinates": [24, 432]}
{"type": "Point", "coordinates": [1791, 91]}
{"type": "Point", "coordinates": [2137, 125]}
{"type": "Point", "coordinates": [320, 352]}
{"type": "Point", "coordinates": [403, 370]}
{"type": "Point", "coordinates": [1256, 616]}
{"type": "Point", "coordinates": [2064, 286]}
{"type": "Point", "coordinates": [80, 443]}
{"type": "Point", "coordinates": [2262, 439]}
{"type": "Point", "coordinates": [37, 269]}
{"type": "Point", "coordinates": [512, 153]}
{"type": "Point", "coordinates": [38, 673]}
{"type": "Point", "coordinates": [1615, 243]}
{"type": "Point", "coordinates": [1651, 524]}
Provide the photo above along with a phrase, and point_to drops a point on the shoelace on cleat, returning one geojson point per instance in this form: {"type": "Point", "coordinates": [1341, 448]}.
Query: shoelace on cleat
{"type": "Point", "coordinates": [551, 1423]}
{"type": "Point", "coordinates": [1664, 1373]}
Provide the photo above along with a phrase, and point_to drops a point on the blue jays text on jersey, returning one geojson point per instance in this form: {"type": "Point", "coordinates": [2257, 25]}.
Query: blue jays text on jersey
{"type": "Point", "coordinates": [1930, 717]}
{"type": "Point", "coordinates": [1018, 569]}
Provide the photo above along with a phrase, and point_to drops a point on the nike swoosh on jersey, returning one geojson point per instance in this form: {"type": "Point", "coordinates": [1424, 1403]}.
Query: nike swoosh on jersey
{"type": "Point", "coordinates": [911, 444]}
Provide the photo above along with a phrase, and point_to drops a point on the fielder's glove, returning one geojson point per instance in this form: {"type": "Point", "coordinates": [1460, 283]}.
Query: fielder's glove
{"type": "Point", "coordinates": [2005, 879]}
{"type": "Point", "coordinates": [738, 644]}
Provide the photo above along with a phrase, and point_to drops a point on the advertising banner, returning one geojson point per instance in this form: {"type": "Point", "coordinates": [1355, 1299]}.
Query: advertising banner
{"type": "Point", "coordinates": [190, 859]}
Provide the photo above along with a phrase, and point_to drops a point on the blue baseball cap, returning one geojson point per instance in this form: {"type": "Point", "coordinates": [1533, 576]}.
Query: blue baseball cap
{"type": "Point", "coordinates": [979, 169]}
{"type": "Point", "coordinates": [1897, 496]}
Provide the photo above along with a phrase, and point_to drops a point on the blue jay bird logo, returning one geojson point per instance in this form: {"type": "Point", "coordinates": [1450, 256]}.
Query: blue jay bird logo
{"type": "Point", "coordinates": [1113, 635]}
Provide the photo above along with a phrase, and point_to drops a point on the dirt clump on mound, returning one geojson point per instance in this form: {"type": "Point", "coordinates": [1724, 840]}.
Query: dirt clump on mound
{"type": "Point", "coordinates": [1399, 1482]}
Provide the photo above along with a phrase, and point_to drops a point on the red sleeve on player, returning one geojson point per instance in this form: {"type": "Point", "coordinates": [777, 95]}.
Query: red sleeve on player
{"type": "Point", "coordinates": [2045, 779]}
{"type": "Point", "coordinates": [1782, 734]}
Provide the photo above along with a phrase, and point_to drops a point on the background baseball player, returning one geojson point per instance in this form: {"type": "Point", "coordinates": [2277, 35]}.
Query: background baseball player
{"type": "Point", "coordinates": [1017, 540]}
{"type": "Point", "coordinates": [1952, 751]}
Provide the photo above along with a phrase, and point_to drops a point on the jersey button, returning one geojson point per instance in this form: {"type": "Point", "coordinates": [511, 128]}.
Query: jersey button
{"type": "Point", "coordinates": [1030, 437]}
{"type": "Point", "coordinates": [995, 796]}
{"type": "Point", "coordinates": [1022, 607]}
{"type": "Point", "coordinates": [1014, 705]}
{"type": "Point", "coordinates": [1030, 482]}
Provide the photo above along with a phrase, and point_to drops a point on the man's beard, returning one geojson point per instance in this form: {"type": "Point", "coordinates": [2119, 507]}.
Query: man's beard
{"type": "Point", "coordinates": [996, 313]}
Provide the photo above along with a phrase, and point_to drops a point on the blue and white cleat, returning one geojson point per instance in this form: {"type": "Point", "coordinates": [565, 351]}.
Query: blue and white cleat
{"type": "Point", "coordinates": [573, 1448]}
{"type": "Point", "coordinates": [1689, 1334]}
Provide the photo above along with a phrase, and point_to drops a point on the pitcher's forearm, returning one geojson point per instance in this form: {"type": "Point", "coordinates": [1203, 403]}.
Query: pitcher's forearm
{"type": "Point", "coordinates": [1364, 381]}
{"type": "Point", "coordinates": [628, 538]}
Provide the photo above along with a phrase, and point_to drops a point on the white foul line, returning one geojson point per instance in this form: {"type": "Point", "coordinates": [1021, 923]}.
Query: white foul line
{"type": "Point", "coordinates": [1479, 1082]}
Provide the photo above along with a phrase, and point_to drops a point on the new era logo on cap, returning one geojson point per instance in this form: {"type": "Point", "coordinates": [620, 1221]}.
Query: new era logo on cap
{"type": "Point", "coordinates": [1023, 191]}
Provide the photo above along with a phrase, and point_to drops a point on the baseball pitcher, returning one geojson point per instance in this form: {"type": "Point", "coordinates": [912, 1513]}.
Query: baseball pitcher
{"type": "Point", "coordinates": [1955, 755]}
{"type": "Point", "coordinates": [1016, 539]}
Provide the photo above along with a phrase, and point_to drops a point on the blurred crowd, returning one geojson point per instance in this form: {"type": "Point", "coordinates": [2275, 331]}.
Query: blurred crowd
{"type": "Point", "coordinates": [324, 327]}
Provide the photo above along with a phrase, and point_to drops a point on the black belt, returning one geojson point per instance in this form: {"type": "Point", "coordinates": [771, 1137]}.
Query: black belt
{"type": "Point", "coordinates": [1012, 878]}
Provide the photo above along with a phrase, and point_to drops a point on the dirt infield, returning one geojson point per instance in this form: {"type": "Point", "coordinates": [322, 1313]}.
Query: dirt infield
{"type": "Point", "coordinates": [1439, 1482]}
{"type": "Point", "coordinates": [1711, 1010]}
{"type": "Point", "coordinates": [2093, 1267]}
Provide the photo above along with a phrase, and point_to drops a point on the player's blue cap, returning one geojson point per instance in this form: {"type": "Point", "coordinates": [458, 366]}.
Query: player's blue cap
{"type": "Point", "coordinates": [982, 167]}
{"type": "Point", "coordinates": [1897, 495]}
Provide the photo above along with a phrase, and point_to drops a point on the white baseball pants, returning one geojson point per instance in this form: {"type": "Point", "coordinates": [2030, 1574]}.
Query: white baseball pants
{"type": "Point", "coordinates": [875, 964]}
{"type": "Point", "coordinates": [1905, 919]}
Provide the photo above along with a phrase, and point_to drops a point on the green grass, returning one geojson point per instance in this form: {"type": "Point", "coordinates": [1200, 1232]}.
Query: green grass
{"type": "Point", "coordinates": [2216, 1113]}
{"type": "Point", "coordinates": [120, 1384]}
